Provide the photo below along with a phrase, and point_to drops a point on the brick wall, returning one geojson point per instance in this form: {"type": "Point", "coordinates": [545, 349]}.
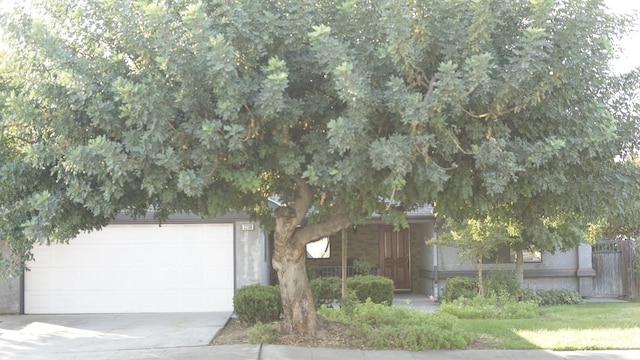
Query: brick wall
{"type": "Point", "coordinates": [363, 243]}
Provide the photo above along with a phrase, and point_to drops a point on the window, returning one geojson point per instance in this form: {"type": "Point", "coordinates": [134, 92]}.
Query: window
{"type": "Point", "coordinates": [530, 256]}
{"type": "Point", "coordinates": [319, 249]}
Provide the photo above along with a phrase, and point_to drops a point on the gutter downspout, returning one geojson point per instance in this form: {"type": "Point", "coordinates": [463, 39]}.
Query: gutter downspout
{"type": "Point", "coordinates": [435, 261]}
{"type": "Point", "coordinates": [21, 294]}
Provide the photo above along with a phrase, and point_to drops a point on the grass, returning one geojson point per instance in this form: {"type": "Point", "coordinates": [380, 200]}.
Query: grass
{"type": "Point", "coordinates": [587, 326]}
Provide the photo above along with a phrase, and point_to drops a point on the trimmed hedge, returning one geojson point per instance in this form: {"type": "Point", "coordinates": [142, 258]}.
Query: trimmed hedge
{"type": "Point", "coordinates": [502, 284]}
{"type": "Point", "coordinates": [553, 297]}
{"type": "Point", "coordinates": [460, 287]}
{"type": "Point", "coordinates": [328, 290]}
{"type": "Point", "coordinates": [377, 288]}
{"type": "Point", "coordinates": [257, 304]}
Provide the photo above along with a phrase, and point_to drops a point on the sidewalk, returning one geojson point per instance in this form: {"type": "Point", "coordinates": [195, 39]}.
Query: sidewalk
{"type": "Point", "coordinates": [280, 352]}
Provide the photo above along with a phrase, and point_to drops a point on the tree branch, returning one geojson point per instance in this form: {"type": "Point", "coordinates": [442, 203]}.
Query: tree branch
{"type": "Point", "coordinates": [289, 218]}
{"type": "Point", "coordinates": [336, 222]}
{"type": "Point", "coordinates": [496, 114]}
{"type": "Point", "coordinates": [303, 200]}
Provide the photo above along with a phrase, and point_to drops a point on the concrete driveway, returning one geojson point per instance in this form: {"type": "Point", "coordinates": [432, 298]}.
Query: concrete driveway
{"type": "Point", "coordinates": [106, 336]}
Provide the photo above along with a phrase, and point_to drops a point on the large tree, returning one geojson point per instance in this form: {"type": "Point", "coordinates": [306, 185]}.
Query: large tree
{"type": "Point", "coordinates": [337, 108]}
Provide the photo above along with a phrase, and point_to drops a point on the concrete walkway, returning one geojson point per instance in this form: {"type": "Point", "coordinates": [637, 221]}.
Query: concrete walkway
{"type": "Point", "coordinates": [418, 302]}
{"type": "Point", "coordinates": [106, 336]}
{"type": "Point", "coordinates": [281, 352]}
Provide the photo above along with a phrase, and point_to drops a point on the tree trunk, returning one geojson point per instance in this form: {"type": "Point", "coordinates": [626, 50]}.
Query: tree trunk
{"type": "Point", "coordinates": [517, 248]}
{"type": "Point", "coordinates": [290, 254]}
{"type": "Point", "coordinates": [297, 300]}
{"type": "Point", "coordinates": [344, 265]}
{"type": "Point", "coordinates": [480, 282]}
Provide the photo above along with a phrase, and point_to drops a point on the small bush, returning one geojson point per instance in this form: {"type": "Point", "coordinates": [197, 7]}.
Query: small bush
{"type": "Point", "coordinates": [489, 308]}
{"type": "Point", "coordinates": [326, 290]}
{"type": "Point", "coordinates": [460, 287]}
{"type": "Point", "coordinates": [257, 304]}
{"type": "Point", "coordinates": [262, 334]}
{"type": "Point", "coordinates": [502, 284]}
{"type": "Point", "coordinates": [377, 288]}
{"type": "Point", "coordinates": [552, 297]}
{"type": "Point", "coordinates": [385, 327]}
{"type": "Point", "coordinates": [362, 267]}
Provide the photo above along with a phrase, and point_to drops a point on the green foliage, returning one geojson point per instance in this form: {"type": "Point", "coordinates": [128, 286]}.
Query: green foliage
{"type": "Point", "coordinates": [489, 308]}
{"type": "Point", "coordinates": [459, 287]}
{"type": "Point", "coordinates": [257, 304]}
{"type": "Point", "coordinates": [592, 325]}
{"type": "Point", "coordinates": [210, 107]}
{"type": "Point", "coordinates": [362, 267]}
{"type": "Point", "coordinates": [377, 288]}
{"type": "Point", "coordinates": [261, 333]}
{"type": "Point", "coordinates": [326, 290]}
{"type": "Point", "coordinates": [552, 297]}
{"type": "Point", "coordinates": [476, 237]}
{"type": "Point", "coordinates": [502, 284]}
{"type": "Point", "coordinates": [384, 327]}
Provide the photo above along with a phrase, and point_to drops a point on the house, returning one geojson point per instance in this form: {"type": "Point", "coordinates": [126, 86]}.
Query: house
{"type": "Point", "coordinates": [186, 265]}
{"type": "Point", "coordinates": [191, 265]}
{"type": "Point", "coordinates": [394, 254]}
{"type": "Point", "coordinates": [417, 267]}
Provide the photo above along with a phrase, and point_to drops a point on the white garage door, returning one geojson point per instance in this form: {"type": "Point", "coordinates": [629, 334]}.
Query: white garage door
{"type": "Point", "coordinates": [134, 268]}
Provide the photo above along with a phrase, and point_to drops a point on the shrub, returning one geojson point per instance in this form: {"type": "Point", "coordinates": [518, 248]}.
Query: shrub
{"type": "Point", "coordinates": [262, 334]}
{"type": "Point", "coordinates": [553, 297]}
{"type": "Point", "coordinates": [502, 284]}
{"type": "Point", "coordinates": [385, 327]}
{"type": "Point", "coordinates": [326, 290]}
{"type": "Point", "coordinates": [459, 287]}
{"type": "Point", "coordinates": [362, 266]}
{"type": "Point", "coordinates": [489, 308]}
{"type": "Point", "coordinates": [377, 288]}
{"type": "Point", "coordinates": [256, 303]}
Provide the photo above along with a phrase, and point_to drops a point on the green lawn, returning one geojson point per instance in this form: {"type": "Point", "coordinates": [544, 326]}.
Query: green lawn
{"type": "Point", "coordinates": [567, 327]}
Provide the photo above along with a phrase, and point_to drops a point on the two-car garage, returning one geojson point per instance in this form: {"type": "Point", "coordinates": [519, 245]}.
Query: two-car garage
{"type": "Point", "coordinates": [135, 268]}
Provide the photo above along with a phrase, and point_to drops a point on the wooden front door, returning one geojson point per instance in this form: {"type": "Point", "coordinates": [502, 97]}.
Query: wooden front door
{"type": "Point", "coordinates": [394, 256]}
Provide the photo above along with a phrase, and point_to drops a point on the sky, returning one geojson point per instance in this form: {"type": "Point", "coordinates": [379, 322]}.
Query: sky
{"type": "Point", "coordinates": [631, 45]}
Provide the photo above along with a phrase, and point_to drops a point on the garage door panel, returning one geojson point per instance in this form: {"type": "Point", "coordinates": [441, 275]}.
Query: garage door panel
{"type": "Point", "coordinates": [135, 268]}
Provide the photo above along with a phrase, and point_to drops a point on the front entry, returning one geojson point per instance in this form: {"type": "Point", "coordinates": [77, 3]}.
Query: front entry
{"type": "Point", "coordinates": [394, 256]}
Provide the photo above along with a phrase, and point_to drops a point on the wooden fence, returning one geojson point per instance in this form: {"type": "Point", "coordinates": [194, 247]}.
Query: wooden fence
{"type": "Point", "coordinates": [613, 261]}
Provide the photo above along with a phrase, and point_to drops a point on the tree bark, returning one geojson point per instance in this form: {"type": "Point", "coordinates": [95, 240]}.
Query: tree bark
{"type": "Point", "coordinates": [517, 248]}
{"type": "Point", "coordinates": [297, 300]}
{"type": "Point", "coordinates": [289, 258]}
{"type": "Point", "coordinates": [480, 281]}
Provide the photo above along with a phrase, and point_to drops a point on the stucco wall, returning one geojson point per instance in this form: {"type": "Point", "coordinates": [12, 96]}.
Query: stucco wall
{"type": "Point", "coordinates": [251, 263]}
{"type": "Point", "coordinates": [419, 253]}
{"type": "Point", "coordinates": [562, 270]}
